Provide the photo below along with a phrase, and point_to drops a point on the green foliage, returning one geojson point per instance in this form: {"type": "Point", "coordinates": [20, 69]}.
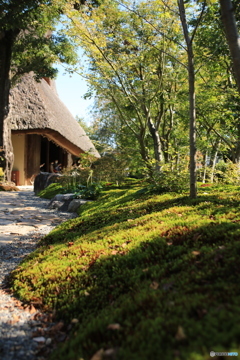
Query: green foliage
{"type": "Point", "coordinates": [52, 190]}
{"type": "Point", "coordinates": [167, 179]}
{"type": "Point", "coordinates": [39, 55]}
{"type": "Point", "coordinates": [227, 173]}
{"type": "Point", "coordinates": [72, 178]}
{"type": "Point", "coordinates": [112, 167]}
{"type": "Point", "coordinates": [29, 28]}
{"type": "Point", "coordinates": [125, 71]}
{"type": "Point", "coordinates": [1, 174]}
{"type": "Point", "coordinates": [71, 183]}
{"type": "Point", "coordinates": [144, 275]}
{"type": "Point", "coordinates": [170, 181]}
{"type": "Point", "coordinates": [91, 192]}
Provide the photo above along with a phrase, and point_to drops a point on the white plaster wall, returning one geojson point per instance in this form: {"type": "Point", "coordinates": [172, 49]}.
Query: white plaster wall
{"type": "Point", "coordinates": [18, 142]}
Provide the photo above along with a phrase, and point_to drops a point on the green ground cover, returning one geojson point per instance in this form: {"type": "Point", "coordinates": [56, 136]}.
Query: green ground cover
{"type": "Point", "coordinates": [148, 276]}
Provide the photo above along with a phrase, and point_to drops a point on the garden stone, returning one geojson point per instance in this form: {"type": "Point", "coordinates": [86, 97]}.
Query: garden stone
{"type": "Point", "coordinates": [54, 204]}
{"type": "Point", "coordinates": [74, 204]}
{"type": "Point", "coordinates": [60, 202]}
{"type": "Point", "coordinates": [65, 205]}
{"type": "Point", "coordinates": [63, 197]}
{"type": "Point", "coordinates": [43, 179]}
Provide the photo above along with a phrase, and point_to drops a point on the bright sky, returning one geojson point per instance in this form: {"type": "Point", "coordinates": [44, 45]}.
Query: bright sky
{"type": "Point", "coordinates": [71, 91]}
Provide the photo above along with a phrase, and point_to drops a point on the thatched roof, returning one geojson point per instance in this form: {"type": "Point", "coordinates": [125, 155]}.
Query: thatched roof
{"type": "Point", "coordinates": [35, 108]}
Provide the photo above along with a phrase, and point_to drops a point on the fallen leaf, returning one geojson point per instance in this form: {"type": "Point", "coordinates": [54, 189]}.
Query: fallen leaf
{"type": "Point", "coordinates": [114, 327]}
{"type": "Point", "coordinates": [74, 321]}
{"type": "Point", "coordinates": [145, 270]}
{"type": "Point", "coordinates": [109, 353]}
{"type": "Point", "coordinates": [196, 253]}
{"type": "Point", "coordinates": [154, 285]}
{"type": "Point", "coordinates": [14, 320]}
{"type": "Point", "coordinates": [32, 309]}
{"type": "Point", "coordinates": [98, 355]}
{"type": "Point", "coordinates": [180, 335]}
{"type": "Point", "coordinates": [18, 303]}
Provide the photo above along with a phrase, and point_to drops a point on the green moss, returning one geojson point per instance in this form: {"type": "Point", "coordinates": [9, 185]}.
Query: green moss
{"type": "Point", "coordinates": [50, 191]}
{"type": "Point", "coordinates": [163, 267]}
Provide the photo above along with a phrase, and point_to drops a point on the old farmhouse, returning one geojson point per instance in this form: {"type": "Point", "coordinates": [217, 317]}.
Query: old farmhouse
{"type": "Point", "coordinates": [43, 130]}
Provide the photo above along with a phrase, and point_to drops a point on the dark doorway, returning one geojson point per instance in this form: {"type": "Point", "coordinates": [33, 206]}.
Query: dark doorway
{"type": "Point", "coordinates": [50, 152]}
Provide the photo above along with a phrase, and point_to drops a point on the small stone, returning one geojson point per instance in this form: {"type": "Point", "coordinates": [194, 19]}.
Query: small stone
{"type": "Point", "coordinates": [39, 339]}
{"type": "Point", "coordinates": [48, 341]}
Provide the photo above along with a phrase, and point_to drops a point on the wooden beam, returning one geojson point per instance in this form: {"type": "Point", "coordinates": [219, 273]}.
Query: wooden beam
{"type": "Point", "coordinates": [55, 137]}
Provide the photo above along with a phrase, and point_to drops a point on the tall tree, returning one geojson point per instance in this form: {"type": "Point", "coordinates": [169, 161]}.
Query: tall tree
{"type": "Point", "coordinates": [218, 99]}
{"type": "Point", "coordinates": [129, 64]}
{"type": "Point", "coordinates": [189, 38]}
{"type": "Point", "coordinates": [26, 44]}
{"type": "Point", "coordinates": [229, 22]}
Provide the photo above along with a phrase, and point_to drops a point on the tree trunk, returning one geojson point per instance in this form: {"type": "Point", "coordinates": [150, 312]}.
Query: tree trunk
{"type": "Point", "coordinates": [229, 22]}
{"type": "Point", "coordinates": [213, 158]}
{"type": "Point", "coordinates": [205, 167]}
{"type": "Point", "coordinates": [6, 153]}
{"type": "Point", "coordinates": [145, 156]}
{"type": "Point", "coordinates": [214, 162]}
{"type": "Point", "coordinates": [156, 140]}
{"type": "Point", "coordinates": [236, 152]}
{"type": "Point", "coordinates": [192, 129]}
{"type": "Point", "coordinates": [192, 104]}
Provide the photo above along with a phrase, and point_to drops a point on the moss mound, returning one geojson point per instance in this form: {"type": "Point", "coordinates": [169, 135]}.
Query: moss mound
{"type": "Point", "coordinates": [147, 276]}
{"type": "Point", "coordinates": [51, 191]}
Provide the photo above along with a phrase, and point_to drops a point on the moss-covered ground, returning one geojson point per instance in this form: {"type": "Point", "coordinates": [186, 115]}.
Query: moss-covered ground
{"type": "Point", "coordinates": [148, 276]}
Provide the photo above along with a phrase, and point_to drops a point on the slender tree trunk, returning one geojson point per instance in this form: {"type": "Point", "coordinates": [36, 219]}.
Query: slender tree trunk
{"type": "Point", "coordinates": [205, 167]}
{"type": "Point", "coordinates": [192, 130]}
{"type": "Point", "coordinates": [165, 153]}
{"type": "Point", "coordinates": [156, 140]}
{"type": "Point", "coordinates": [214, 162]}
{"type": "Point", "coordinates": [236, 154]}
{"type": "Point", "coordinates": [144, 155]}
{"type": "Point", "coordinates": [229, 22]}
{"type": "Point", "coordinates": [213, 158]}
{"type": "Point", "coordinates": [177, 161]}
{"type": "Point", "coordinates": [6, 153]}
{"type": "Point", "coordinates": [192, 104]}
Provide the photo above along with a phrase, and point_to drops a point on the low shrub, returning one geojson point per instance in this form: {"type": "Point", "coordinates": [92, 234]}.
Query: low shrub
{"type": "Point", "coordinates": [91, 191]}
{"type": "Point", "coordinates": [227, 173]}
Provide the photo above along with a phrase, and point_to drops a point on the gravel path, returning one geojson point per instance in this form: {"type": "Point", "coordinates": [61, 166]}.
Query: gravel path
{"type": "Point", "coordinates": [25, 333]}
